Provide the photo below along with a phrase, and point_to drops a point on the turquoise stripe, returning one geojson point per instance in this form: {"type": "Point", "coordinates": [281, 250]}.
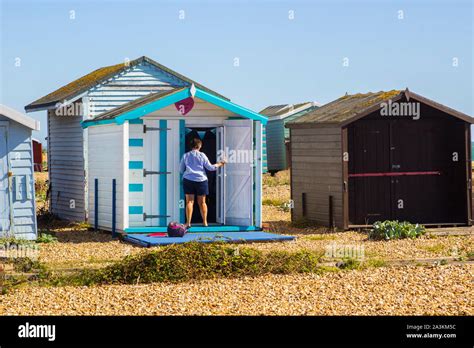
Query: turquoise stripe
{"type": "Point", "coordinates": [228, 105]}
{"type": "Point", "coordinates": [135, 209]}
{"type": "Point", "coordinates": [217, 228]}
{"type": "Point", "coordinates": [135, 187]}
{"type": "Point", "coordinates": [136, 121]}
{"type": "Point", "coordinates": [85, 124]}
{"type": "Point", "coordinates": [135, 165]}
{"type": "Point", "coordinates": [163, 177]}
{"type": "Point", "coordinates": [153, 106]}
{"type": "Point", "coordinates": [182, 141]}
{"type": "Point", "coordinates": [135, 142]}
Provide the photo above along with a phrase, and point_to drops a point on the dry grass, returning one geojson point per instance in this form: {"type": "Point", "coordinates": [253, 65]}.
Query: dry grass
{"type": "Point", "coordinates": [41, 188]}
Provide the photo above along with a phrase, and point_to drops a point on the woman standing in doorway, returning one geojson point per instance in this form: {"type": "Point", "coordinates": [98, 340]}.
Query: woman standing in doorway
{"type": "Point", "coordinates": [195, 181]}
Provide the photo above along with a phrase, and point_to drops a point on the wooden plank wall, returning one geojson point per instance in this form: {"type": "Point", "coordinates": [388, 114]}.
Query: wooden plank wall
{"type": "Point", "coordinates": [316, 170]}
{"type": "Point", "coordinates": [66, 166]}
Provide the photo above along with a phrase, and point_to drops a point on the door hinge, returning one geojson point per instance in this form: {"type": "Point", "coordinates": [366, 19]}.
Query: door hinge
{"type": "Point", "coordinates": [149, 129]}
{"type": "Point", "coordinates": [151, 172]}
{"type": "Point", "coordinates": [149, 216]}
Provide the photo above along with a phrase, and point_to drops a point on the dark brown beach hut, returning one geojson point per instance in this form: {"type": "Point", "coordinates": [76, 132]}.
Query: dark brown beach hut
{"type": "Point", "coordinates": [382, 156]}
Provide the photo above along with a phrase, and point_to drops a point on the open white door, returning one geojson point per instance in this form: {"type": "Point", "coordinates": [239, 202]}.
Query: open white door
{"type": "Point", "coordinates": [238, 172]}
{"type": "Point", "coordinates": [220, 187]}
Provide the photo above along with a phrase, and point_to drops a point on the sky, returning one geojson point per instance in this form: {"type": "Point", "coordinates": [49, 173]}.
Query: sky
{"type": "Point", "coordinates": [256, 52]}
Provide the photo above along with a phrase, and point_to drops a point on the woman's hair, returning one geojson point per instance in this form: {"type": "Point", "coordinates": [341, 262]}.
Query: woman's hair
{"type": "Point", "coordinates": [195, 143]}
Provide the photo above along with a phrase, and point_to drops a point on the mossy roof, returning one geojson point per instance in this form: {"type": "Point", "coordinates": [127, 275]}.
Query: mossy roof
{"type": "Point", "coordinates": [92, 79]}
{"type": "Point", "coordinates": [346, 107]}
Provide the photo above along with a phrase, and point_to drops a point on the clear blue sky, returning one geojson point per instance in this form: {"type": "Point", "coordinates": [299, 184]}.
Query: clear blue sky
{"type": "Point", "coordinates": [281, 60]}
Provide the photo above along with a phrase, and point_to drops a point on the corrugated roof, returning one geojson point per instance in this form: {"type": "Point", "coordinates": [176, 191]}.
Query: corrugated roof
{"type": "Point", "coordinates": [90, 80]}
{"type": "Point", "coordinates": [135, 104]}
{"type": "Point", "coordinates": [278, 110]}
{"type": "Point", "coordinates": [346, 107]}
{"type": "Point", "coordinates": [301, 113]}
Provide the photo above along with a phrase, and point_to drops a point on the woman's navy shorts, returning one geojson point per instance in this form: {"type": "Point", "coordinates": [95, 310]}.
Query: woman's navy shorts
{"type": "Point", "coordinates": [199, 188]}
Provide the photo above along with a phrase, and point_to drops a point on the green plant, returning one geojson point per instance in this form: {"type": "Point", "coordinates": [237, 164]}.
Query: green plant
{"type": "Point", "coordinates": [46, 238]}
{"type": "Point", "coordinates": [194, 261]}
{"type": "Point", "coordinates": [82, 225]}
{"type": "Point", "coordinates": [275, 202]}
{"type": "Point", "coordinates": [395, 230]}
{"type": "Point", "coordinates": [27, 270]}
{"type": "Point", "coordinates": [9, 241]}
{"type": "Point", "coordinates": [376, 263]}
{"type": "Point", "coordinates": [349, 263]}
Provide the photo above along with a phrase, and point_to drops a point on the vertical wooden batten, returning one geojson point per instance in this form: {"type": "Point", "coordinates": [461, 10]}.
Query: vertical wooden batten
{"type": "Point", "coordinates": [345, 178]}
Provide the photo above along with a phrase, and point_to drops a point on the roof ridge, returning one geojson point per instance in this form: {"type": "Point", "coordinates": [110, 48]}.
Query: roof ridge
{"type": "Point", "coordinates": [348, 106]}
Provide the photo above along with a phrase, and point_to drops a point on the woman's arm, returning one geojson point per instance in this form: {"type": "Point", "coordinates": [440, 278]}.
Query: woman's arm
{"type": "Point", "coordinates": [212, 167]}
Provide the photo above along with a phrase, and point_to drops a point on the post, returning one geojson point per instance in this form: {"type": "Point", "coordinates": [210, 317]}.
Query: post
{"type": "Point", "coordinates": [96, 204]}
{"type": "Point", "coordinates": [114, 207]}
{"type": "Point", "coordinates": [331, 215]}
{"type": "Point", "coordinates": [303, 203]}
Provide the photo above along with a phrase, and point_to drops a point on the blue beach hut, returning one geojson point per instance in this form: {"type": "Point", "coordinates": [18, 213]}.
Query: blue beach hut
{"type": "Point", "coordinates": [17, 189]}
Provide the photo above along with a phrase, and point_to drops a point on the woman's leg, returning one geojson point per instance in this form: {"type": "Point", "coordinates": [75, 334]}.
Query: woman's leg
{"type": "Point", "coordinates": [189, 209]}
{"type": "Point", "coordinates": [203, 208]}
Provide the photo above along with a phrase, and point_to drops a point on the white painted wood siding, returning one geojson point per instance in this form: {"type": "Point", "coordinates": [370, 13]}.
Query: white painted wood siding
{"type": "Point", "coordinates": [131, 84]}
{"type": "Point", "coordinates": [66, 166]}
{"type": "Point", "coordinates": [107, 155]}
